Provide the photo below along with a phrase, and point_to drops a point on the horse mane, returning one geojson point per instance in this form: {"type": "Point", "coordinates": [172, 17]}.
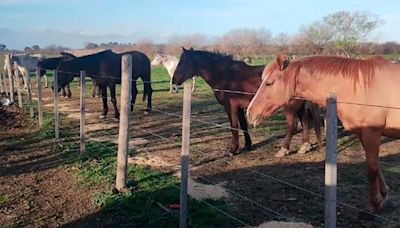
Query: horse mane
{"type": "Point", "coordinates": [353, 69]}
{"type": "Point", "coordinates": [214, 55]}
{"type": "Point", "coordinates": [66, 54]}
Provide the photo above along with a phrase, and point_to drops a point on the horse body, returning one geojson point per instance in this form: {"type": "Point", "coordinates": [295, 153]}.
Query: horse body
{"type": "Point", "coordinates": [223, 73]}
{"type": "Point", "coordinates": [170, 63]}
{"type": "Point", "coordinates": [25, 64]}
{"type": "Point", "coordinates": [367, 95]}
{"type": "Point", "coordinates": [105, 68]}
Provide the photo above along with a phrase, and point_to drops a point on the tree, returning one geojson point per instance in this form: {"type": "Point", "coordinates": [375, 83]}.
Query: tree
{"type": "Point", "coordinates": [350, 28]}
{"type": "Point", "coordinates": [91, 45]}
{"type": "Point", "coordinates": [2, 47]}
{"type": "Point", "coordinates": [28, 50]}
{"type": "Point", "coordinates": [36, 47]}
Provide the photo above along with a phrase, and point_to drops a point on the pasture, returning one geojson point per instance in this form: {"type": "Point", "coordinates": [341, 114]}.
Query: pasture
{"type": "Point", "coordinates": [46, 182]}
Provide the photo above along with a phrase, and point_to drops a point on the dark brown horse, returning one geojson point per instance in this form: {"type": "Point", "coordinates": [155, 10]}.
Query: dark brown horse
{"type": "Point", "coordinates": [105, 68]}
{"type": "Point", "coordinates": [221, 72]}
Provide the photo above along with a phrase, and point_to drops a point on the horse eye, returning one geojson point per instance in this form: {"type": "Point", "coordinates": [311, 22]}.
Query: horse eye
{"type": "Point", "coordinates": [269, 83]}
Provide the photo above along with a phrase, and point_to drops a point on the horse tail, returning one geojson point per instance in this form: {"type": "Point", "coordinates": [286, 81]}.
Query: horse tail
{"type": "Point", "coordinates": [144, 91]}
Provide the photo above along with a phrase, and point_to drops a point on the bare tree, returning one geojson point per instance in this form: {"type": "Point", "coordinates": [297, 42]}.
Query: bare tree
{"type": "Point", "coordinates": [350, 28]}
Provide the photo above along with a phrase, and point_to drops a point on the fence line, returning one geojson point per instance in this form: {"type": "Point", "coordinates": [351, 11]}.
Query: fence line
{"type": "Point", "coordinates": [282, 181]}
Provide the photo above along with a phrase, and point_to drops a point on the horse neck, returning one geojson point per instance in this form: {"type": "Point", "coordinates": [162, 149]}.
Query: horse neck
{"type": "Point", "coordinates": [210, 73]}
{"type": "Point", "coordinates": [170, 64]}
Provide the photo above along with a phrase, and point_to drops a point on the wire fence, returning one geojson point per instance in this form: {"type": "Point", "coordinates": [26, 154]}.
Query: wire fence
{"type": "Point", "coordinates": [271, 212]}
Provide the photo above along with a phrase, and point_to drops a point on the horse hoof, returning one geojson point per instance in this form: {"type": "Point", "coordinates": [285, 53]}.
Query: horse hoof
{"type": "Point", "coordinates": [247, 148]}
{"type": "Point", "coordinates": [102, 116]}
{"type": "Point", "coordinates": [306, 147]}
{"type": "Point", "coordinates": [228, 154]}
{"type": "Point", "coordinates": [282, 153]}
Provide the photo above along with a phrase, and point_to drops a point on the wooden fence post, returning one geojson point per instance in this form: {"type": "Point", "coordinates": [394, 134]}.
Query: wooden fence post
{"type": "Point", "coordinates": [124, 122]}
{"type": "Point", "coordinates": [16, 73]}
{"type": "Point", "coordinates": [187, 99]}
{"type": "Point", "coordinates": [5, 83]}
{"type": "Point", "coordinates": [330, 162]}
{"type": "Point", "coordinates": [39, 97]}
{"type": "Point", "coordinates": [1, 82]}
{"type": "Point", "coordinates": [10, 78]}
{"type": "Point", "coordinates": [56, 116]}
{"type": "Point", "coordinates": [29, 86]}
{"type": "Point", "coordinates": [82, 109]}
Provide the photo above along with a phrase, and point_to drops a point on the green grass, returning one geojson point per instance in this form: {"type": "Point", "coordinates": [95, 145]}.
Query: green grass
{"type": "Point", "coordinates": [4, 198]}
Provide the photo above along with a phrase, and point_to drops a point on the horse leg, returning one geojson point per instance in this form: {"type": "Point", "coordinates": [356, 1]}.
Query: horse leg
{"type": "Point", "coordinates": [171, 86]}
{"type": "Point", "coordinates": [291, 124]}
{"type": "Point", "coordinates": [193, 84]}
{"type": "Point", "coordinates": [134, 93]}
{"type": "Point", "coordinates": [149, 92]}
{"type": "Point", "coordinates": [63, 92]}
{"type": "Point", "coordinates": [370, 141]}
{"type": "Point", "coordinates": [306, 146]}
{"type": "Point", "coordinates": [94, 88]}
{"type": "Point", "coordinates": [243, 126]}
{"type": "Point", "coordinates": [315, 112]}
{"type": "Point", "coordinates": [46, 84]}
{"type": "Point", "coordinates": [104, 98]}
{"type": "Point", "coordinates": [68, 91]}
{"type": "Point", "coordinates": [114, 101]}
{"type": "Point", "coordinates": [233, 118]}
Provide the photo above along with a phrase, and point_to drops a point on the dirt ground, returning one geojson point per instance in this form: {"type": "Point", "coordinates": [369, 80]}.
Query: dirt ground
{"type": "Point", "coordinates": [40, 190]}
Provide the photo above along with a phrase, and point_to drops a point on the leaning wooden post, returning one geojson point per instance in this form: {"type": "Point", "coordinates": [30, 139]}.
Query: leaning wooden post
{"type": "Point", "coordinates": [16, 73]}
{"type": "Point", "coordinates": [187, 99]}
{"type": "Point", "coordinates": [330, 162]}
{"type": "Point", "coordinates": [5, 83]}
{"type": "Point", "coordinates": [10, 78]}
{"type": "Point", "coordinates": [82, 108]}
{"type": "Point", "coordinates": [29, 86]}
{"type": "Point", "coordinates": [1, 83]}
{"type": "Point", "coordinates": [123, 136]}
{"type": "Point", "coordinates": [39, 97]}
{"type": "Point", "coordinates": [56, 116]}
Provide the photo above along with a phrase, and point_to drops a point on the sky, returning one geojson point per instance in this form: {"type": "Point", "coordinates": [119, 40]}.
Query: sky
{"type": "Point", "coordinates": [73, 23]}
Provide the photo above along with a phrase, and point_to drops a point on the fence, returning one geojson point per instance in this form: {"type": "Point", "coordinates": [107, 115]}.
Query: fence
{"type": "Point", "coordinates": [330, 162]}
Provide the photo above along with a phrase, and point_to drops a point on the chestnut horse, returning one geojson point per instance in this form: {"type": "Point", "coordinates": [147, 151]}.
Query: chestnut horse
{"type": "Point", "coordinates": [221, 72]}
{"type": "Point", "coordinates": [371, 83]}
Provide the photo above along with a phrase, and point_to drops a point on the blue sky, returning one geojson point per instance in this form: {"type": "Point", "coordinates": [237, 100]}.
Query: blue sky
{"type": "Point", "coordinates": [72, 23]}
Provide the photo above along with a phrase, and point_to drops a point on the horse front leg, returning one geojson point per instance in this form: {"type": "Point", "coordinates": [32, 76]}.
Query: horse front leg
{"type": "Point", "coordinates": [114, 102]}
{"type": "Point", "coordinates": [243, 126]}
{"type": "Point", "coordinates": [149, 92]}
{"type": "Point", "coordinates": [104, 98]}
{"type": "Point", "coordinates": [68, 91]}
{"type": "Point", "coordinates": [291, 123]}
{"type": "Point", "coordinates": [193, 84]}
{"type": "Point", "coordinates": [46, 84]}
{"type": "Point", "coordinates": [233, 119]}
{"type": "Point", "coordinates": [370, 140]}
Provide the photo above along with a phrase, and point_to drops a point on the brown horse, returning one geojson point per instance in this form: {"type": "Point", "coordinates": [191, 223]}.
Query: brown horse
{"type": "Point", "coordinates": [221, 72]}
{"type": "Point", "coordinates": [373, 83]}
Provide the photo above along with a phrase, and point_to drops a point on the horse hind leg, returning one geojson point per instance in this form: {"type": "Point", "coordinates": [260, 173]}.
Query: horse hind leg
{"type": "Point", "coordinates": [46, 84]}
{"type": "Point", "coordinates": [104, 99]}
{"type": "Point", "coordinates": [370, 141]}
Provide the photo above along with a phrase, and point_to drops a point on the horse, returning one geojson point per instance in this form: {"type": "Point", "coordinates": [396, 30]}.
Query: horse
{"type": "Point", "coordinates": [105, 68]}
{"type": "Point", "coordinates": [222, 72]}
{"type": "Point", "coordinates": [25, 64]}
{"type": "Point", "coordinates": [366, 89]}
{"type": "Point", "coordinates": [52, 63]}
{"type": "Point", "coordinates": [170, 63]}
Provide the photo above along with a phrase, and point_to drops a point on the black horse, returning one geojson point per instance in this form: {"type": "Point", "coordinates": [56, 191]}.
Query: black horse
{"type": "Point", "coordinates": [105, 68]}
{"type": "Point", "coordinates": [52, 63]}
{"type": "Point", "coordinates": [221, 72]}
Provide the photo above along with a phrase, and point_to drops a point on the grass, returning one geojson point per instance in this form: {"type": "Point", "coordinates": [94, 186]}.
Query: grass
{"type": "Point", "coordinates": [4, 198]}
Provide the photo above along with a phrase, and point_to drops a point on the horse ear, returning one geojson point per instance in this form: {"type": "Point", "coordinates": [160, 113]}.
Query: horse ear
{"type": "Point", "coordinates": [183, 49]}
{"type": "Point", "coordinates": [191, 49]}
{"type": "Point", "coordinates": [282, 61]}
